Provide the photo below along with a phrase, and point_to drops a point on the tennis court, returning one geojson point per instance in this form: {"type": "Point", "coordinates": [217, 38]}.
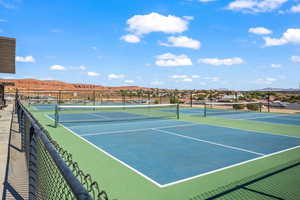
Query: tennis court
{"type": "Point", "coordinates": [289, 119]}
{"type": "Point", "coordinates": [169, 151]}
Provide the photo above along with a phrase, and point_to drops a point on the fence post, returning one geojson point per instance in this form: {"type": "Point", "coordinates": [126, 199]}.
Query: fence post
{"type": "Point", "coordinates": [177, 110]}
{"type": "Point", "coordinates": [149, 99]}
{"type": "Point", "coordinates": [191, 99]}
{"type": "Point", "coordinates": [268, 102]}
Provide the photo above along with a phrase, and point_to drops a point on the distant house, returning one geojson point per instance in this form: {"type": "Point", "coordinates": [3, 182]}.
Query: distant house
{"type": "Point", "coordinates": [230, 97]}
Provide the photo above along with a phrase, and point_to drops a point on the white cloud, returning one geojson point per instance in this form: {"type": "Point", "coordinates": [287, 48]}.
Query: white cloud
{"type": "Point", "coordinates": [182, 41]}
{"type": "Point", "coordinates": [156, 83]}
{"type": "Point", "coordinates": [7, 77]}
{"type": "Point", "coordinates": [292, 35]}
{"type": "Point", "coordinates": [115, 76]}
{"type": "Point", "coordinates": [155, 22]}
{"type": "Point", "coordinates": [195, 76]}
{"type": "Point", "coordinates": [275, 65]}
{"type": "Point", "coordinates": [10, 4]}
{"type": "Point", "coordinates": [57, 67]}
{"type": "Point", "coordinates": [188, 17]}
{"type": "Point", "coordinates": [129, 81]}
{"type": "Point", "coordinates": [184, 78]}
{"type": "Point", "coordinates": [93, 74]}
{"type": "Point", "coordinates": [218, 62]}
{"type": "Point", "coordinates": [171, 60]}
{"type": "Point", "coordinates": [130, 38]}
{"type": "Point", "coordinates": [25, 59]}
{"type": "Point", "coordinates": [274, 42]}
{"type": "Point", "coordinates": [83, 68]}
{"type": "Point", "coordinates": [213, 79]}
{"type": "Point", "coordinates": [295, 58]}
{"type": "Point", "coordinates": [94, 48]}
{"type": "Point", "coordinates": [295, 9]}
{"type": "Point", "coordinates": [255, 6]}
{"type": "Point", "coordinates": [206, 1]}
{"type": "Point", "coordinates": [265, 81]}
{"type": "Point", "coordinates": [260, 31]}
{"type": "Point", "coordinates": [187, 80]}
{"type": "Point", "coordinates": [175, 76]}
{"type": "Point", "coordinates": [62, 68]}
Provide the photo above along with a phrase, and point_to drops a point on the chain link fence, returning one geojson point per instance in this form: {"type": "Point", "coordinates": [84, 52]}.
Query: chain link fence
{"type": "Point", "coordinates": [53, 174]}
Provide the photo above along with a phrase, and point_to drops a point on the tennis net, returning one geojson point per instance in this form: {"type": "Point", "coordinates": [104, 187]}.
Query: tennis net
{"type": "Point", "coordinates": [40, 101]}
{"type": "Point", "coordinates": [218, 108]}
{"type": "Point", "coordinates": [61, 101]}
{"type": "Point", "coordinates": [69, 114]}
{"type": "Point", "coordinates": [120, 101]}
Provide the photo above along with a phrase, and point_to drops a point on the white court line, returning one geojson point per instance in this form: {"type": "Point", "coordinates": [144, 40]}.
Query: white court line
{"type": "Point", "coordinates": [209, 142]}
{"type": "Point", "coordinates": [175, 182]}
{"type": "Point", "coordinates": [199, 123]}
{"type": "Point", "coordinates": [136, 130]}
{"type": "Point", "coordinates": [247, 130]}
{"type": "Point", "coordinates": [94, 114]}
{"type": "Point", "coordinates": [131, 122]}
{"type": "Point", "coordinates": [270, 116]}
{"type": "Point", "coordinates": [230, 166]}
{"type": "Point", "coordinates": [114, 158]}
{"type": "Point", "coordinates": [34, 107]}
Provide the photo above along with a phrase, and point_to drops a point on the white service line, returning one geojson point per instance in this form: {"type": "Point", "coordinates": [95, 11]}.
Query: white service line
{"type": "Point", "coordinates": [227, 167]}
{"type": "Point", "coordinates": [209, 142]}
{"type": "Point", "coordinates": [130, 122]}
{"type": "Point", "coordinates": [115, 158]}
{"type": "Point", "coordinates": [95, 115]}
{"type": "Point", "coordinates": [179, 181]}
{"type": "Point", "coordinates": [270, 116]}
{"type": "Point", "coordinates": [247, 130]}
{"type": "Point", "coordinates": [136, 130]}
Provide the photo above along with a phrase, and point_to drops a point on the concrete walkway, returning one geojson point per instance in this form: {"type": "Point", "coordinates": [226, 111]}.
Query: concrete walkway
{"type": "Point", "coordinates": [14, 175]}
{"type": "Point", "coordinates": [5, 121]}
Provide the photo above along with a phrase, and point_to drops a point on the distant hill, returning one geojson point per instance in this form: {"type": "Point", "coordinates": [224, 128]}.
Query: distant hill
{"type": "Point", "coordinates": [279, 89]}
{"type": "Point", "coordinates": [51, 85]}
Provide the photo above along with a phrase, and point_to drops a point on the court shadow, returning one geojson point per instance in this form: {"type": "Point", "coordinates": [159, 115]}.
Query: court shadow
{"type": "Point", "coordinates": [51, 125]}
{"type": "Point", "coordinates": [9, 188]}
{"type": "Point", "coordinates": [245, 186]}
{"type": "Point", "coordinates": [16, 148]}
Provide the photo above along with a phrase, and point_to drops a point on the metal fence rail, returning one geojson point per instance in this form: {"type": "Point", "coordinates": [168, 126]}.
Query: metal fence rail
{"type": "Point", "coordinates": [52, 172]}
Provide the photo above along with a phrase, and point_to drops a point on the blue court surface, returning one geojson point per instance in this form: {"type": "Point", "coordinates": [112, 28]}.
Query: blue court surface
{"type": "Point", "coordinates": [288, 119]}
{"type": "Point", "coordinates": [167, 151]}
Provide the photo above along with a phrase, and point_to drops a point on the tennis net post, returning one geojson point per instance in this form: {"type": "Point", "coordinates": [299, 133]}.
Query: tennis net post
{"type": "Point", "coordinates": [56, 117]}
{"type": "Point", "coordinates": [177, 111]}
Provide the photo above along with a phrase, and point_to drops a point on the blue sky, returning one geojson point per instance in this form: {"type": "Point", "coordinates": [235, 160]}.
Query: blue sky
{"type": "Point", "coordinates": [185, 44]}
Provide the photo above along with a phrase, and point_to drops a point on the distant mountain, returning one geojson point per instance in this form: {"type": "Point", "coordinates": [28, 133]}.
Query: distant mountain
{"type": "Point", "coordinates": [279, 89]}
{"type": "Point", "coordinates": [52, 85]}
